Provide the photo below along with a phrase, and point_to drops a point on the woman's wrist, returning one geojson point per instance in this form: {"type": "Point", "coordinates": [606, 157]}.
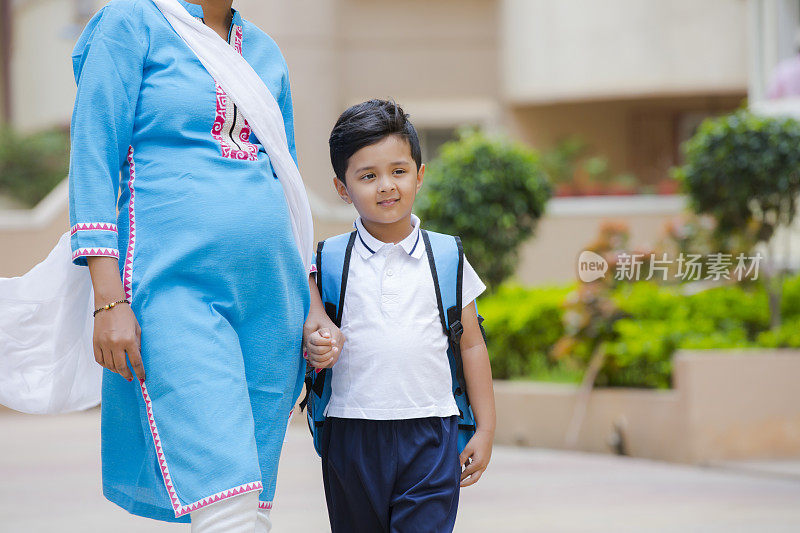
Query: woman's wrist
{"type": "Point", "coordinates": [106, 297]}
{"type": "Point", "coordinates": [109, 306]}
{"type": "Point", "coordinates": [106, 282]}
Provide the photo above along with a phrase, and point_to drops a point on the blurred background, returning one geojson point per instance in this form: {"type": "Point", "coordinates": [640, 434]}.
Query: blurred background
{"type": "Point", "coordinates": [550, 127]}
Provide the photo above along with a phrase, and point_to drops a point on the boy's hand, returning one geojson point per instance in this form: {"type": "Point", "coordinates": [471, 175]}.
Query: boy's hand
{"type": "Point", "coordinates": [323, 347]}
{"type": "Point", "coordinates": [475, 457]}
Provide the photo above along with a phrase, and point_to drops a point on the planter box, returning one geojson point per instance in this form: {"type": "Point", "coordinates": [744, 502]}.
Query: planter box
{"type": "Point", "coordinates": [726, 405]}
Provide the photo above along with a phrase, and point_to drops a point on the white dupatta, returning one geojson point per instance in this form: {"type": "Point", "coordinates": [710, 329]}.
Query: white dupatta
{"type": "Point", "coordinates": [46, 359]}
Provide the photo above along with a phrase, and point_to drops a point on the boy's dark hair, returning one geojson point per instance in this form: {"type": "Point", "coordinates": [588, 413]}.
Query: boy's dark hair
{"type": "Point", "coordinates": [368, 123]}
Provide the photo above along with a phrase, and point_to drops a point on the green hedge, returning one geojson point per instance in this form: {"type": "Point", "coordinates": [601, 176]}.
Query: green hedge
{"type": "Point", "coordinates": [32, 165]}
{"type": "Point", "coordinates": [523, 325]}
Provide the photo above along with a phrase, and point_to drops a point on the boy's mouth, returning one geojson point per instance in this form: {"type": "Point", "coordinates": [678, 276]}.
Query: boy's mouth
{"type": "Point", "coordinates": [388, 203]}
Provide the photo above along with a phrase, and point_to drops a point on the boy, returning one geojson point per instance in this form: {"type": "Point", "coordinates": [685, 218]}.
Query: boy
{"type": "Point", "coordinates": [389, 441]}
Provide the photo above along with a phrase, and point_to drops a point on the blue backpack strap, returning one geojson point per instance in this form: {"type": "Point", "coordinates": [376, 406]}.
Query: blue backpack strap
{"type": "Point", "coordinates": [333, 266]}
{"type": "Point", "coordinates": [446, 260]}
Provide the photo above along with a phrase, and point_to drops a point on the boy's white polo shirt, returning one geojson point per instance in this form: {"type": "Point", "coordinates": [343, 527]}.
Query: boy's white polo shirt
{"type": "Point", "coordinates": [394, 362]}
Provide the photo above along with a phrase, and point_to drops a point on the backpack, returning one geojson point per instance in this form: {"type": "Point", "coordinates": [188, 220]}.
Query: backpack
{"type": "Point", "coordinates": [446, 259]}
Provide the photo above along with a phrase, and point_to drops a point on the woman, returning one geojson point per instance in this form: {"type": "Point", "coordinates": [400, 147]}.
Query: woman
{"type": "Point", "coordinates": [201, 254]}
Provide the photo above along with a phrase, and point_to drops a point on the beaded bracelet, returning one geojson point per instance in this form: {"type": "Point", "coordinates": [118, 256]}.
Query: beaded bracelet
{"type": "Point", "coordinates": [109, 306]}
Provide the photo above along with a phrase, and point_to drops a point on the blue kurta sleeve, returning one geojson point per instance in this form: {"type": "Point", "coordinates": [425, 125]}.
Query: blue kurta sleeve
{"type": "Point", "coordinates": [107, 61]}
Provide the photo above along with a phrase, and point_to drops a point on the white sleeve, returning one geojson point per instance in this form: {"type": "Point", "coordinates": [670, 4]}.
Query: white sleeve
{"type": "Point", "coordinates": [472, 286]}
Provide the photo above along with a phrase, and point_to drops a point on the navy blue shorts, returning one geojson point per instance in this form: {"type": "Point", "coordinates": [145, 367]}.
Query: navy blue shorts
{"type": "Point", "coordinates": [398, 476]}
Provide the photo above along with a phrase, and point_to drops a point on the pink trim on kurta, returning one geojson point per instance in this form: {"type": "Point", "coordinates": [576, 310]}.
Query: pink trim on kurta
{"type": "Point", "coordinates": [92, 226]}
{"type": "Point", "coordinates": [214, 498]}
{"type": "Point", "coordinates": [95, 252]}
{"type": "Point", "coordinates": [127, 271]}
{"type": "Point", "coordinates": [265, 505]}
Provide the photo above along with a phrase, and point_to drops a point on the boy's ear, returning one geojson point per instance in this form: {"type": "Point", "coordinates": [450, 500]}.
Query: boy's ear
{"type": "Point", "coordinates": [341, 189]}
{"type": "Point", "coordinates": [420, 175]}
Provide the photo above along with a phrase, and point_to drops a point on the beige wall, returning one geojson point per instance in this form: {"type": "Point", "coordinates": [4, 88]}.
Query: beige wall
{"type": "Point", "coordinates": [22, 248]}
{"type": "Point", "coordinates": [43, 87]}
{"type": "Point", "coordinates": [725, 406]}
{"type": "Point", "coordinates": [584, 49]}
{"type": "Point", "coordinates": [571, 224]}
{"type": "Point", "coordinates": [740, 404]}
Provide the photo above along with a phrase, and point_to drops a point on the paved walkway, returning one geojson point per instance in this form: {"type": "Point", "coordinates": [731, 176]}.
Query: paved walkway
{"type": "Point", "coordinates": [50, 481]}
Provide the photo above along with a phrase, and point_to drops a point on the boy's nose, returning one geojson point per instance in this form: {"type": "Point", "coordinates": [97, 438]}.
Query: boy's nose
{"type": "Point", "coordinates": [386, 184]}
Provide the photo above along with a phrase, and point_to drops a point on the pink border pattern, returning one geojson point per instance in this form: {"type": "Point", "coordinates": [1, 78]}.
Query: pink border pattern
{"type": "Point", "coordinates": [214, 498]}
{"type": "Point", "coordinates": [127, 271]}
{"type": "Point", "coordinates": [265, 505]}
{"type": "Point", "coordinates": [95, 252]}
{"type": "Point", "coordinates": [230, 129]}
{"type": "Point", "coordinates": [92, 226]}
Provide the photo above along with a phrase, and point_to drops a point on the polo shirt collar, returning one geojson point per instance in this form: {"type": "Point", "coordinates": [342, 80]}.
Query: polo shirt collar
{"type": "Point", "coordinates": [366, 245]}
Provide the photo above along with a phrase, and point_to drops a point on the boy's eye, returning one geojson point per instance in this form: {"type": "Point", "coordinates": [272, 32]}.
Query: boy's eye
{"type": "Point", "coordinates": [400, 171]}
{"type": "Point", "coordinates": [368, 176]}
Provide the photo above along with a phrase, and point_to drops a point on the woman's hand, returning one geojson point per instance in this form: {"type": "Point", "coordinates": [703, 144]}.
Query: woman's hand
{"type": "Point", "coordinates": [116, 330]}
{"type": "Point", "coordinates": [117, 334]}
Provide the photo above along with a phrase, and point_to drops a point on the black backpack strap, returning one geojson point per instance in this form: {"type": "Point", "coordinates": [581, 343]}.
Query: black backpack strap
{"type": "Point", "coordinates": [432, 263]}
{"type": "Point", "coordinates": [456, 327]}
{"type": "Point", "coordinates": [345, 273]}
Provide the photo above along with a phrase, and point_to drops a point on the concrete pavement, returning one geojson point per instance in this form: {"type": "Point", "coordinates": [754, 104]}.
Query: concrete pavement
{"type": "Point", "coordinates": [50, 481]}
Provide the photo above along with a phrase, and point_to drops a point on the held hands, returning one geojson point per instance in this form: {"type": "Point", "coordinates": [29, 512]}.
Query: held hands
{"type": "Point", "coordinates": [475, 457]}
{"type": "Point", "coordinates": [322, 341]}
{"type": "Point", "coordinates": [117, 333]}
{"type": "Point", "coordinates": [324, 346]}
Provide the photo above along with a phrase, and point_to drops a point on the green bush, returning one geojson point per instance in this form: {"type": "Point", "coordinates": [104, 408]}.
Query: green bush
{"type": "Point", "coordinates": [31, 166]}
{"type": "Point", "coordinates": [521, 327]}
{"type": "Point", "coordinates": [744, 170]}
{"type": "Point", "coordinates": [664, 320]}
{"type": "Point", "coordinates": [524, 324]}
{"type": "Point", "coordinates": [491, 193]}
{"type": "Point", "coordinates": [790, 298]}
{"type": "Point", "coordinates": [787, 335]}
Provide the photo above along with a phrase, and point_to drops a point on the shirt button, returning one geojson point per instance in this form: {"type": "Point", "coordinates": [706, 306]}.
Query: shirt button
{"type": "Point", "coordinates": [390, 272]}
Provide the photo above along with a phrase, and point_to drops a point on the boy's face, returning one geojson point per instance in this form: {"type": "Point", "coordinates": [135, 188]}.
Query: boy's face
{"type": "Point", "coordinates": [382, 181]}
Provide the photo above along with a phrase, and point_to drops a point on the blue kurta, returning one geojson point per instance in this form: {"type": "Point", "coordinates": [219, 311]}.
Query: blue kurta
{"type": "Point", "coordinates": [202, 231]}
